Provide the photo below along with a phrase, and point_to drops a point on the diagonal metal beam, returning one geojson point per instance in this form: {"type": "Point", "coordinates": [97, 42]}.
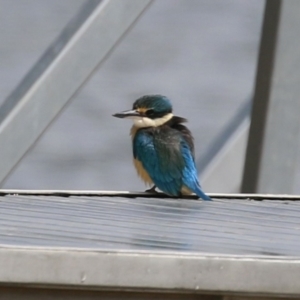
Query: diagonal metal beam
{"type": "Point", "coordinates": [223, 174]}
{"type": "Point", "coordinates": [61, 71]}
{"type": "Point", "coordinates": [222, 164]}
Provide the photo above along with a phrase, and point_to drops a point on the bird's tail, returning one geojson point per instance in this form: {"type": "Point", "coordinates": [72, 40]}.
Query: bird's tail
{"type": "Point", "coordinates": [194, 186]}
{"type": "Point", "coordinates": [201, 194]}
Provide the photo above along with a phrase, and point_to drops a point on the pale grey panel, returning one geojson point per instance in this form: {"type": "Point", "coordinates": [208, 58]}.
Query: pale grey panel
{"type": "Point", "coordinates": [60, 72]}
{"type": "Point", "coordinates": [271, 159]}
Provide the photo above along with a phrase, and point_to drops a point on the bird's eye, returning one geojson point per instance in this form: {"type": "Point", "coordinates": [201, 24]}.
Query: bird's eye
{"type": "Point", "coordinates": [149, 112]}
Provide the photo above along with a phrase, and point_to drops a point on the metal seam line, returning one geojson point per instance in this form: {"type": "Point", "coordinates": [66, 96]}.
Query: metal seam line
{"type": "Point", "coordinates": [128, 194]}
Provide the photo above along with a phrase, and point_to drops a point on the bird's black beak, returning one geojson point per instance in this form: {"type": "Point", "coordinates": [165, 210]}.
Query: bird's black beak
{"type": "Point", "coordinates": [127, 113]}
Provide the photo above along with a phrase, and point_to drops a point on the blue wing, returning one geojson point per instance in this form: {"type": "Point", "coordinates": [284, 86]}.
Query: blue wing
{"type": "Point", "coordinates": [168, 159]}
{"type": "Point", "coordinates": [189, 174]}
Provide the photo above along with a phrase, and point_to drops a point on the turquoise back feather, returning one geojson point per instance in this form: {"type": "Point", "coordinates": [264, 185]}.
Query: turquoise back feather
{"type": "Point", "coordinates": [168, 159]}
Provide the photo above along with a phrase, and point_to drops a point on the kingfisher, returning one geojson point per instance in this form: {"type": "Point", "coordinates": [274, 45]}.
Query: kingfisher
{"type": "Point", "coordinates": [163, 148]}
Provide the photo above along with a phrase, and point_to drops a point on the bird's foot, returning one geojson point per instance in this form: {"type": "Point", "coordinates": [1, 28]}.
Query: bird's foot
{"type": "Point", "coordinates": [151, 190]}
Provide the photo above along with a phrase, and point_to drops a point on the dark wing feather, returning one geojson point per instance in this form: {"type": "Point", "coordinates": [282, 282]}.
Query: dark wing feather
{"type": "Point", "coordinates": [159, 150]}
{"type": "Point", "coordinates": [167, 154]}
{"type": "Point", "coordinates": [176, 123]}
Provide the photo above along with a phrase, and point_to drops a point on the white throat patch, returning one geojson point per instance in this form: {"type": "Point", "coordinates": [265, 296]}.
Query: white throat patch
{"type": "Point", "coordinates": [141, 122]}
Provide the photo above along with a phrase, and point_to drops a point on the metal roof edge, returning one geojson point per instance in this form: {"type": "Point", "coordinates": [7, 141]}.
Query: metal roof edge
{"type": "Point", "coordinates": [152, 271]}
{"type": "Point", "coordinates": [134, 194]}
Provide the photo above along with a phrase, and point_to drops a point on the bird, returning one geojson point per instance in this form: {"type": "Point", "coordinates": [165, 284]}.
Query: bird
{"type": "Point", "coordinates": [163, 148]}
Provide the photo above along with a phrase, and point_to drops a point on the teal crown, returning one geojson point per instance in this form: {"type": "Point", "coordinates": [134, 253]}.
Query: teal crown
{"type": "Point", "coordinates": [155, 105]}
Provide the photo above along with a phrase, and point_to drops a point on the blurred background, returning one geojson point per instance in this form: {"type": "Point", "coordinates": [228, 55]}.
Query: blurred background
{"type": "Point", "coordinates": [202, 54]}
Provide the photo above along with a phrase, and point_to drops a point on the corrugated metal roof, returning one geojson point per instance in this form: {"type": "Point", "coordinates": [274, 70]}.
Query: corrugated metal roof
{"type": "Point", "coordinates": [223, 226]}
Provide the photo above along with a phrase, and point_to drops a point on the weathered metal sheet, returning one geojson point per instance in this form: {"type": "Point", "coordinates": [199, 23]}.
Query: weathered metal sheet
{"type": "Point", "coordinates": [269, 227]}
{"type": "Point", "coordinates": [85, 241]}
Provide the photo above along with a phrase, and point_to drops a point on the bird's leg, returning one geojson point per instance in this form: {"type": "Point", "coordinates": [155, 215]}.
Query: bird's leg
{"type": "Point", "coordinates": [152, 190]}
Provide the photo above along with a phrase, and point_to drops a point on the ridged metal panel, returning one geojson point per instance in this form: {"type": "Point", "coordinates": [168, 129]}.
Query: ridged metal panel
{"type": "Point", "coordinates": [223, 226]}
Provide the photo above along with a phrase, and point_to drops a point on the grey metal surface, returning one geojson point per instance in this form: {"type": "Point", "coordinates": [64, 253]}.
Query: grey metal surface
{"type": "Point", "coordinates": [221, 140]}
{"type": "Point", "coordinates": [131, 194]}
{"type": "Point", "coordinates": [227, 155]}
{"type": "Point", "coordinates": [273, 140]}
{"type": "Point", "coordinates": [50, 293]}
{"type": "Point", "coordinates": [91, 242]}
{"type": "Point", "coordinates": [200, 53]}
{"type": "Point", "coordinates": [149, 271]}
{"type": "Point", "coordinates": [226, 246]}
{"type": "Point", "coordinates": [225, 171]}
{"type": "Point", "coordinates": [233, 227]}
{"type": "Point", "coordinates": [60, 72]}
